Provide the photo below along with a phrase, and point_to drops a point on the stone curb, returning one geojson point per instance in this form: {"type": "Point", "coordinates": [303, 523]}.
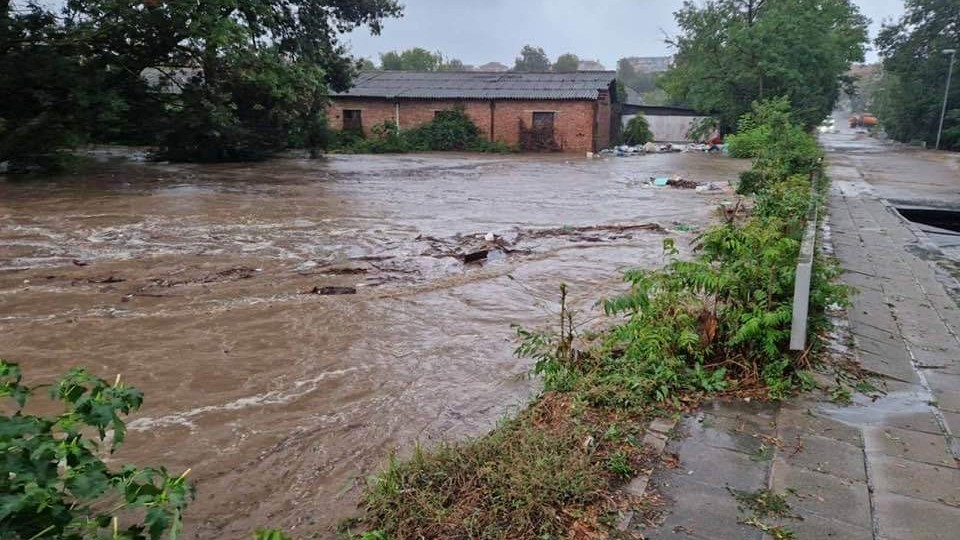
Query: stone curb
{"type": "Point", "coordinates": [656, 437]}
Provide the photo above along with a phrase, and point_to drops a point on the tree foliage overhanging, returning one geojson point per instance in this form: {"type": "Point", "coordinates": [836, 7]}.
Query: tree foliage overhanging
{"type": "Point", "coordinates": [733, 52]}
{"type": "Point", "coordinates": [241, 76]}
{"type": "Point", "coordinates": [915, 69]}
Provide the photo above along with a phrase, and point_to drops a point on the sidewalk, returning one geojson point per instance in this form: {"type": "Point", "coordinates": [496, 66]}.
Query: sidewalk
{"type": "Point", "coordinates": [883, 469]}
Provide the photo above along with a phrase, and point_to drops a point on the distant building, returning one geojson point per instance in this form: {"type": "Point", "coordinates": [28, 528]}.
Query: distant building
{"type": "Point", "coordinates": [495, 67]}
{"type": "Point", "coordinates": [590, 65]}
{"type": "Point", "coordinates": [650, 64]}
{"type": "Point", "coordinates": [568, 112]}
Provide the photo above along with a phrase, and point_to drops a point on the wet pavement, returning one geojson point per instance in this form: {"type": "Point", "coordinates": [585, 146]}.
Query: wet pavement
{"type": "Point", "coordinates": [204, 286]}
{"type": "Point", "coordinates": [885, 466]}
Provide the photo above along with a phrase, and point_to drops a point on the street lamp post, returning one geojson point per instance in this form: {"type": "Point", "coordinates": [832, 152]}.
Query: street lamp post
{"type": "Point", "coordinates": [946, 92]}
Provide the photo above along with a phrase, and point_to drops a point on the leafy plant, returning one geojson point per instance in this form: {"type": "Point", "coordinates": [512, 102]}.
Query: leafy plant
{"type": "Point", "coordinates": [619, 464]}
{"type": "Point", "coordinates": [637, 131]}
{"type": "Point", "coordinates": [271, 534]}
{"type": "Point", "coordinates": [52, 479]}
{"type": "Point", "coordinates": [449, 130]}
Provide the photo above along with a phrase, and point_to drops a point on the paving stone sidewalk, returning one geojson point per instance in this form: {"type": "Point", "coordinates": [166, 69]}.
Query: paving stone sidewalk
{"type": "Point", "coordinates": [883, 469]}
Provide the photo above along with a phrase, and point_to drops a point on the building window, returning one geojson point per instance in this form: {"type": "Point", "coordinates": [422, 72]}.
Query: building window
{"type": "Point", "coordinates": [352, 120]}
{"type": "Point", "coordinates": [543, 121]}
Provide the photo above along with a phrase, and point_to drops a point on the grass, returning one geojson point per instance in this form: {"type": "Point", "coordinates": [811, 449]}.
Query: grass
{"type": "Point", "coordinates": [553, 469]}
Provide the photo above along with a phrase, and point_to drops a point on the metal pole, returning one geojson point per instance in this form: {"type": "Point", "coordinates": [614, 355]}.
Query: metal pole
{"type": "Point", "coordinates": [946, 94]}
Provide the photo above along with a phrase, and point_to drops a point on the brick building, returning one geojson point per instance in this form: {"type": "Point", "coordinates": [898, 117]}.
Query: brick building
{"type": "Point", "coordinates": [569, 112]}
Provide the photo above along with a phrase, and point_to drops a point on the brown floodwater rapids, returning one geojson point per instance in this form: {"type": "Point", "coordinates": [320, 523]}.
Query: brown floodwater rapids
{"type": "Point", "coordinates": [199, 284]}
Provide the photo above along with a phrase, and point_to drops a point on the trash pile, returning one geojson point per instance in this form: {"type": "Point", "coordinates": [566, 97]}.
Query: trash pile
{"type": "Point", "coordinates": [682, 183]}
{"type": "Point", "coordinates": [625, 151]}
{"type": "Point", "coordinates": [652, 148]}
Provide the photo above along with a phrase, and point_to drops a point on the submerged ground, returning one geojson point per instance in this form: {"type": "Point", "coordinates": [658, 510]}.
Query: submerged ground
{"type": "Point", "coordinates": [198, 284]}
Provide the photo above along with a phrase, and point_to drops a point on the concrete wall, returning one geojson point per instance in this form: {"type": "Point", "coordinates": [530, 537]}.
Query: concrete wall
{"type": "Point", "coordinates": [577, 124]}
{"type": "Point", "coordinates": [668, 128]}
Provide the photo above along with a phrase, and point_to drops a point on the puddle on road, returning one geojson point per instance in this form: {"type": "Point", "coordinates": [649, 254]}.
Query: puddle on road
{"type": "Point", "coordinates": [189, 280]}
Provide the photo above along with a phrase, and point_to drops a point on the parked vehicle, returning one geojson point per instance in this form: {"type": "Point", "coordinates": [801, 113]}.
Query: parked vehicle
{"type": "Point", "coordinates": [863, 120]}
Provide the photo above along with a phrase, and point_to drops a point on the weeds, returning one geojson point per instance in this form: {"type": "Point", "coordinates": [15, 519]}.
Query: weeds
{"type": "Point", "coordinates": [535, 476]}
{"type": "Point", "coordinates": [765, 504]}
{"type": "Point", "coordinates": [618, 463]}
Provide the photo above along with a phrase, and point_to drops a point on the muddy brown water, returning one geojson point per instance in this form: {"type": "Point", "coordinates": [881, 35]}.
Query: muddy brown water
{"type": "Point", "coordinates": [191, 282]}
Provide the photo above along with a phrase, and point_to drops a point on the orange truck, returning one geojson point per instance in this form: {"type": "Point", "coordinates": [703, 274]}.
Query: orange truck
{"type": "Point", "coordinates": [863, 120]}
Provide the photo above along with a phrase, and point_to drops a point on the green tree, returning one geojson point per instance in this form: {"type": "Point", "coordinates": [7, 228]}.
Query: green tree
{"type": "Point", "coordinates": [914, 77]}
{"type": "Point", "coordinates": [391, 61]}
{"type": "Point", "coordinates": [641, 82]}
{"type": "Point", "coordinates": [415, 59]}
{"type": "Point", "coordinates": [733, 52]}
{"type": "Point", "coordinates": [637, 131]}
{"type": "Point", "coordinates": [240, 74]}
{"type": "Point", "coordinates": [43, 86]}
{"type": "Point", "coordinates": [531, 59]}
{"type": "Point", "coordinates": [452, 64]}
{"type": "Point", "coordinates": [567, 63]}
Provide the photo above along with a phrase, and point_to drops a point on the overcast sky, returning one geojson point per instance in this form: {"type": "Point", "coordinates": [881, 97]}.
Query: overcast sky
{"type": "Point", "coordinates": [480, 31]}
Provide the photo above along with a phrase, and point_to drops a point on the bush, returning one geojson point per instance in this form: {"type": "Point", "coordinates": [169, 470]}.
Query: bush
{"type": "Point", "coordinates": [451, 130]}
{"type": "Point", "coordinates": [730, 308]}
{"type": "Point", "coordinates": [637, 131]}
{"type": "Point", "coordinates": [778, 146]}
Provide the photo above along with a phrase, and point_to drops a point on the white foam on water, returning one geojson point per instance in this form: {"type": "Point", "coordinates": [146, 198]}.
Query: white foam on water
{"type": "Point", "coordinates": [300, 388]}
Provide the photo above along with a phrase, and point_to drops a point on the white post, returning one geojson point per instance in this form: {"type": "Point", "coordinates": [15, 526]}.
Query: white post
{"type": "Point", "coordinates": [946, 93]}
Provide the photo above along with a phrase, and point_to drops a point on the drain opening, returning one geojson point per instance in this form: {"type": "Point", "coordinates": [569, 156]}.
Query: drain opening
{"type": "Point", "coordinates": [941, 219]}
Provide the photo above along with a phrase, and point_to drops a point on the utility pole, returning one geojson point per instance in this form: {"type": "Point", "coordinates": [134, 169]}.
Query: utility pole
{"type": "Point", "coordinates": [946, 93]}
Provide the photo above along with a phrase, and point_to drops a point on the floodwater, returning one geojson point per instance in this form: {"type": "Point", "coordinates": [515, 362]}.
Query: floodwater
{"type": "Point", "coordinates": [199, 284]}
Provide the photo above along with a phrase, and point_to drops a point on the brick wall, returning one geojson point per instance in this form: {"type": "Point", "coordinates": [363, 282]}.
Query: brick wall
{"type": "Point", "coordinates": [574, 122]}
{"type": "Point", "coordinates": [604, 121]}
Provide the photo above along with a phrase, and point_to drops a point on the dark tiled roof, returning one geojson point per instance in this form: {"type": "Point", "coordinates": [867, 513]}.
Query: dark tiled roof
{"type": "Point", "coordinates": [477, 85]}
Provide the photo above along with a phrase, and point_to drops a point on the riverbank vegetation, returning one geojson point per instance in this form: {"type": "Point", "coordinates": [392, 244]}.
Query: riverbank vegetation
{"type": "Point", "coordinates": [716, 324]}
{"type": "Point", "coordinates": [216, 80]}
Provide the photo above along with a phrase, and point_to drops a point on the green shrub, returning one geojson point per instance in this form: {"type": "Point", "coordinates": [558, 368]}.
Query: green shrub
{"type": "Point", "coordinates": [779, 148]}
{"type": "Point", "coordinates": [729, 308]}
{"type": "Point", "coordinates": [52, 480]}
{"type": "Point", "coordinates": [450, 130]}
{"type": "Point", "coordinates": [637, 131]}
